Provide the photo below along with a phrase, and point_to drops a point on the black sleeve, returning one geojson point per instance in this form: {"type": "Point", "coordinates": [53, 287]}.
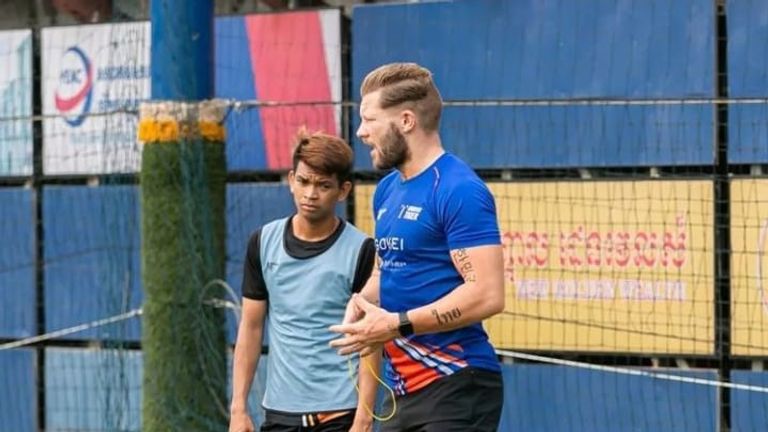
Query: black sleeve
{"type": "Point", "coordinates": [364, 265]}
{"type": "Point", "coordinates": [254, 286]}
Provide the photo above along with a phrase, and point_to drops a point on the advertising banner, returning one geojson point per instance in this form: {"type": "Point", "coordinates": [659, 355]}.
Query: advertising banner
{"type": "Point", "coordinates": [16, 103]}
{"type": "Point", "coordinates": [94, 77]}
{"type": "Point", "coordinates": [749, 267]}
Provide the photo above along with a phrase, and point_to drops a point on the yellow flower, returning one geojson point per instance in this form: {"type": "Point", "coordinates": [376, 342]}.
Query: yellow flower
{"type": "Point", "coordinates": [168, 130]}
{"type": "Point", "coordinates": [212, 131]}
{"type": "Point", "coordinates": [147, 131]}
{"type": "Point", "coordinates": [153, 130]}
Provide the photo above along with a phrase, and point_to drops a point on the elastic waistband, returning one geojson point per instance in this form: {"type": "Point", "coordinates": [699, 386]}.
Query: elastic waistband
{"type": "Point", "coordinates": [306, 419]}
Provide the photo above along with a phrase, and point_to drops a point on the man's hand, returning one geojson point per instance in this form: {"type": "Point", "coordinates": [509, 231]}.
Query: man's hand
{"type": "Point", "coordinates": [366, 334]}
{"type": "Point", "coordinates": [353, 313]}
{"type": "Point", "coordinates": [241, 422]}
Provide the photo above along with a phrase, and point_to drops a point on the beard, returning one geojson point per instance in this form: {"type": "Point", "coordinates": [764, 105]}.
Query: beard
{"type": "Point", "coordinates": [393, 150]}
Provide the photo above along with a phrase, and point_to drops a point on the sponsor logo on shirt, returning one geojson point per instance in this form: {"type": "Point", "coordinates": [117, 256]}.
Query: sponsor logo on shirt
{"type": "Point", "coordinates": [389, 243]}
{"type": "Point", "coordinates": [409, 212]}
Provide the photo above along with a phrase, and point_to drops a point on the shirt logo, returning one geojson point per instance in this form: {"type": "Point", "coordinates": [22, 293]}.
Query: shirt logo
{"type": "Point", "coordinates": [390, 244]}
{"type": "Point", "coordinates": [409, 212]}
{"type": "Point", "coordinates": [380, 213]}
{"type": "Point", "coordinates": [271, 265]}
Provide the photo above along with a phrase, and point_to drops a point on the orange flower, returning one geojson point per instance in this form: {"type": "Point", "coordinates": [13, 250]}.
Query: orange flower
{"type": "Point", "coordinates": [212, 131]}
{"type": "Point", "coordinates": [147, 131]}
{"type": "Point", "coordinates": [168, 130]}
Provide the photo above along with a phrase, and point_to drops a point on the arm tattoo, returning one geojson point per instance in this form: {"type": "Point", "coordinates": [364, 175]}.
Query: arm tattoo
{"type": "Point", "coordinates": [447, 317]}
{"type": "Point", "coordinates": [464, 265]}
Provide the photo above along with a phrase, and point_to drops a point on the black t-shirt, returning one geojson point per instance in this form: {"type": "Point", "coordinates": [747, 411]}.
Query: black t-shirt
{"type": "Point", "coordinates": [254, 286]}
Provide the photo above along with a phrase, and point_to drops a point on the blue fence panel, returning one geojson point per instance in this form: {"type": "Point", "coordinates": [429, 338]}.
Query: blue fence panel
{"type": "Point", "coordinates": [575, 136]}
{"type": "Point", "coordinates": [747, 78]}
{"type": "Point", "coordinates": [18, 397]}
{"type": "Point", "coordinates": [92, 389]}
{"type": "Point", "coordinates": [558, 398]}
{"type": "Point", "coordinates": [99, 389]}
{"type": "Point", "coordinates": [92, 259]}
{"type": "Point", "coordinates": [487, 51]}
{"type": "Point", "coordinates": [749, 410]}
{"type": "Point", "coordinates": [17, 263]}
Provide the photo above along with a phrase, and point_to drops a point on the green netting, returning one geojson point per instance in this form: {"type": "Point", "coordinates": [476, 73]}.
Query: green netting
{"type": "Point", "coordinates": [182, 201]}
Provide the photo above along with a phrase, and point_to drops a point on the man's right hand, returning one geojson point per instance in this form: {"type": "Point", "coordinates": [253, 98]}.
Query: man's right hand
{"type": "Point", "coordinates": [353, 313]}
{"type": "Point", "coordinates": [241, 422]}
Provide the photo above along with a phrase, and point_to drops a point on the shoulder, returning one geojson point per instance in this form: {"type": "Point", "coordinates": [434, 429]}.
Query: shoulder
{"type": "Point", "coordinates": [254, 238]}
{"type": "Point", "coordinates": [389, 178]}
{"type": "Point", "coordinates": [355, 232]}
{"type": "Point", "coordinates": [275, 225]}
{"type": "Point", "coordinates": [454, 178]}
{"type": "Point", "coordinates": [352, 229]}
{"type": "Point", "coordinates": [267, 234]}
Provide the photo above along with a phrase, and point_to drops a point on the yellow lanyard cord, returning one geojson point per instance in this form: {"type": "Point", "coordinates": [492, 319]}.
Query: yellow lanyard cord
{"type": "Point", "coordinates": [375, 375]}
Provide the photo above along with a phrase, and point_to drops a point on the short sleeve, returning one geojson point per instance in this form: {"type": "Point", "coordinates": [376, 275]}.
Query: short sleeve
{"type": "Point", "coordinates": [468, 214]}
{"type": "Point", "coordinates": [254, 286]}
{"type": "Point", "coordinates": [364, 266]}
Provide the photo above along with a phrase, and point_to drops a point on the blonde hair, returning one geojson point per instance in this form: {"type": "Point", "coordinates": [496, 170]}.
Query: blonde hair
{"type": "Point", "coordinates": [407, 84]}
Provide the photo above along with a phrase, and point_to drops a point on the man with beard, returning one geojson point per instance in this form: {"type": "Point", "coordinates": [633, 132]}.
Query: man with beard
{"type": "Point", "coordinates": [299, 274]}
{"type": "Point", "coordinates": [440, 269]}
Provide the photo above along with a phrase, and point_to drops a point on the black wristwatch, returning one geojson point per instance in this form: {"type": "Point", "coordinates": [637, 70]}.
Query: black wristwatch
{"type": "Point", "coordinates": [405, 327]}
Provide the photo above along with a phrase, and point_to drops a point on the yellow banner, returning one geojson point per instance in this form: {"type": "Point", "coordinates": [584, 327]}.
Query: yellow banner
{"type": "Point", "coordinates": [364, 207]}
{"type": "Point", "coordinates": [590, 266]}
{"type": "Point", "coordinates": [749, 267]}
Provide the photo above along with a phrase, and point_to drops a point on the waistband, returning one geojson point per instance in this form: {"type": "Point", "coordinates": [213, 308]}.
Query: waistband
{"type": "Point", "coordinates": [305, 419]}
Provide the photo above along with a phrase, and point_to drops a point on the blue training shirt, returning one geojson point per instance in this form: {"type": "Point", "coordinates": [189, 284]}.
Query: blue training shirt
{"type": "Point", "coordinates": [418, 222]}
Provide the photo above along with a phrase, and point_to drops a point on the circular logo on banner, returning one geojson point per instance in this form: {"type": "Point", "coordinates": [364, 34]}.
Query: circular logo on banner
{"type": "Point", "coordinates": [75, 91]}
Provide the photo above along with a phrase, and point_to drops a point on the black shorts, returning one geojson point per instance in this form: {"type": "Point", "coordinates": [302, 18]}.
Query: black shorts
{"type": "Point", "coordinates": [469, 400]}
{"type": "Point", "coordinates": [283, 422]}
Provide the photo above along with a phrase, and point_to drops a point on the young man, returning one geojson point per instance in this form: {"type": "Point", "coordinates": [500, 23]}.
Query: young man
{"type": "Point", "coordinates": [440, 269]}
{"type": "Point", "coordinates": [300, 272]}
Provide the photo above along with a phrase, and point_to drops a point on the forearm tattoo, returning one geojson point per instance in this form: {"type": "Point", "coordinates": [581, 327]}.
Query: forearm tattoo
{"type": "Point", "coordinates": [464, 265]}
{"type": "Point", "coordinates": [446, 317]}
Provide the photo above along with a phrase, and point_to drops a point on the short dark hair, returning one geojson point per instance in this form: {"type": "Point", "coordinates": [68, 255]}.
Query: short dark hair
{"type": "Point", "coordinates": [324, 153]}
{"type": "Point", "coordinates": [407, 83]}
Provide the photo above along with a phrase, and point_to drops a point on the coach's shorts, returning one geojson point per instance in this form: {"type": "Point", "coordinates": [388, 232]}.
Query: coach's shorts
{"type": "Point", "coordinates": [469, 400]}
